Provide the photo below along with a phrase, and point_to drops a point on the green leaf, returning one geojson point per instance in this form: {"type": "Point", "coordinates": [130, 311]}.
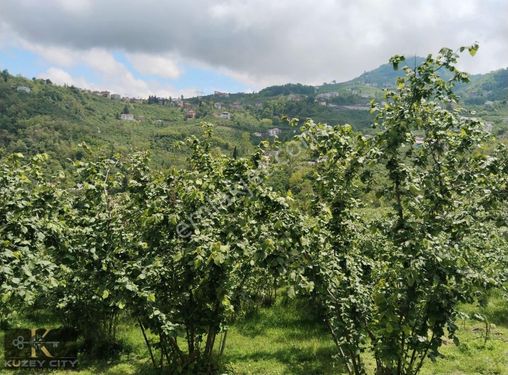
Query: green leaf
{"type": "Point", "coordinates": [218, 258]}
{"type": "Point", "coordinates": [291, 292]}
{"type": "Point", "coordinates": [151, 297]}
{"type": "Point", "coordinates": [473, 49]}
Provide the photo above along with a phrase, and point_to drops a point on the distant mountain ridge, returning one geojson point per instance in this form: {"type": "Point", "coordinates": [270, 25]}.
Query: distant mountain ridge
{"type": "Point", "coordinates": [487, 87]}
{"type": "Point", "coordinates": [37, 116]}
{"type": "Point", "coordinates": [384, 75]}
{"type": "Point", "coordinates": [492, 86]}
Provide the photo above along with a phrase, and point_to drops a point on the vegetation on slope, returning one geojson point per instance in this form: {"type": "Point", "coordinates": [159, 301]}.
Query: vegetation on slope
{"type": "Point", "coordinates": [399, 239]}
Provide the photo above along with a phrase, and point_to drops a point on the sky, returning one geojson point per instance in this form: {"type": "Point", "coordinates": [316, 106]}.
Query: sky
{"type": "Point", "coordinates": [192, 47]}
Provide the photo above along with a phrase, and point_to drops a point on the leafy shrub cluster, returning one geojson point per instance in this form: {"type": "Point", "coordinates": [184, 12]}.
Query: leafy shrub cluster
{"type": "Point", "coordinates": [184, 252]}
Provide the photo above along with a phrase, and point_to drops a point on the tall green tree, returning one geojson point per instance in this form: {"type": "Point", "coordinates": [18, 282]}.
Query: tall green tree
{"type": "Point", "coordinates": [211, 235]}
{"type": "Point", "coordinates": [392, 282]}
{"type": "Point", "coordinates": [94, 286]}
{"type": "Point", "coordinates": [30, 231]}
{"type": "Point", "coordinates": [5, 75]}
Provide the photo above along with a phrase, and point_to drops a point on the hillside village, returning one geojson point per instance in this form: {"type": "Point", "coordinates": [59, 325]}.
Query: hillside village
{"type": "Point", "coordinates": [242, 120]}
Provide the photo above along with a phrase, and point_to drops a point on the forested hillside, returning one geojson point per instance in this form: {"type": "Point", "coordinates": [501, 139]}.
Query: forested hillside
{"type": "Point", "coordinates": [487, 88]}
{"type": "Point", "coordinates": [48, 118]}
{"type": "Point", "coordinates": [56, 120]}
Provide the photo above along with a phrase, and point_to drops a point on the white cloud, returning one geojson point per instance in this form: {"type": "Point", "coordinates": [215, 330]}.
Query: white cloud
{"type": "Point", "coordinates": [53, 54]}
{"type": "Point", "coordinates": [75, 6]}
{"type": "Point", "coordinates": [160, 65]}
{"type": "Point", "coordinates": [112, 75]}
{"type": "Point", "coordinates": [118, 77]}
{"type": "Point", "coordinates": [260, 41]}
{"type": "Point", "coordinates": [61, 77]}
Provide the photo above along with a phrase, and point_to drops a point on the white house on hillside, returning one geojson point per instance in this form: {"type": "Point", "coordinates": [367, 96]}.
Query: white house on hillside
{"type": "Point", "coordinates": [273, 132]}
{"type": "Point", "coordinates": [127, 117]}
{"type": "Point", "coordinates": [24, 89]}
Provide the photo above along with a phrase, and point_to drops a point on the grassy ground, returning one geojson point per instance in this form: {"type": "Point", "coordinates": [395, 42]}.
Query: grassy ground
{"type": "Point", "coordinates": [283, 339]}
{"type": "Point", "coordinates": [288, 339]}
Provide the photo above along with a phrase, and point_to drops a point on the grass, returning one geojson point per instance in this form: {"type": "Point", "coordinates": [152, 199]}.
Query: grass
{"type": "Point", "coordinates": [288, 338]}
{"type": "Point", "coordinates": [284, 339]}
{"type": "Point", "coordinates": [475, 355]}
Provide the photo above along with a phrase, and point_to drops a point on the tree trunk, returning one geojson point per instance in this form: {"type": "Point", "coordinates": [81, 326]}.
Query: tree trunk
{"type": "Point", "coordinates": [147, 343]}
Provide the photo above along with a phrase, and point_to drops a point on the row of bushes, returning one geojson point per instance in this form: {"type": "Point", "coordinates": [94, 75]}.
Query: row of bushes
{"type": "Point", "coordinates": [185, 252]}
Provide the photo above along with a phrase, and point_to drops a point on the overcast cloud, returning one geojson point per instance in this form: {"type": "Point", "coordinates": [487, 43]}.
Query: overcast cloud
{"type": "Point", "coordinates": [257, 42]}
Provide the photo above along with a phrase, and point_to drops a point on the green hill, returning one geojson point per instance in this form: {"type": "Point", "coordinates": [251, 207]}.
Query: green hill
{"type": "Point", "coordinates": [488, 87]}
{"type": "Point", "coordinates": [57, 119]}
{"type": "Point", "coordinates": [37, 116]}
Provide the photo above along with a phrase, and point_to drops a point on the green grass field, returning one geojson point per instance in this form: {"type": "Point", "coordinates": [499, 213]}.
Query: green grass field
{"type": "Point", "coordinates": [288, 338]}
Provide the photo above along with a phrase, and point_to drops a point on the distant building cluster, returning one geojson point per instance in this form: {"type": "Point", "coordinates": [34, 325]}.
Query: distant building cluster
{"type": "Point", "coordinates": [274, 132]}
{"type": "Point", "coordinates": [190, 108]}
{"type": "Point", "coordinates": [127, 117]}
{"type": "Point", "coordinates": [327, 95]}
{"type": "Point", "coordinates": [225, 115]}
{"type": "Point", "coordinates": [221, 94]}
